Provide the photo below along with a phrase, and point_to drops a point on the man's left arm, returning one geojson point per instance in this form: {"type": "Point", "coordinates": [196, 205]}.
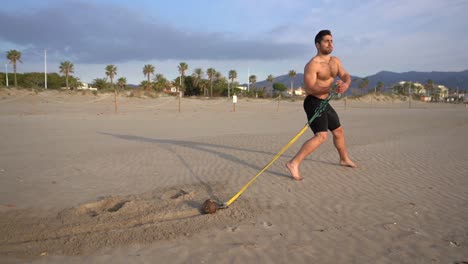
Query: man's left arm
{"type": "Point", "coordinates": [345, 79]}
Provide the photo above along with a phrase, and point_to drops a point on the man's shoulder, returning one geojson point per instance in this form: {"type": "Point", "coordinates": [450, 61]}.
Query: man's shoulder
{"type": "Point", "coordinates": [313, 63]}
{"type": "Point", "coordinates": [335, 59]}
{"type": "Point", "coordinates": [314, 59]}
{"type": "Point", "coordinates": [318, 60]}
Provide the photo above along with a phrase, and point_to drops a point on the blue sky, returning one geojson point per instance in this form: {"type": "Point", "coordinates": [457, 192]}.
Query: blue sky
{"type": "Point", "coordinates": [258, 37]}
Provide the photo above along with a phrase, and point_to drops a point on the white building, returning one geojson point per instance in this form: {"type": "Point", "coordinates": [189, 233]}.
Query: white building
{"type": "Point", "coordinates": [418, 87]}
{"type": "Point", "coordinates": [85, 86]}
{"type": "Point", "coordinates": [297, 92]}
{"type": "Point", "coordinates": [439, 91]}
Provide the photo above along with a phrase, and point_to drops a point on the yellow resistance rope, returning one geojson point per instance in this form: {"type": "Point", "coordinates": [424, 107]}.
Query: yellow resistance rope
{"type": "Point", "coordinates": [317, 113]}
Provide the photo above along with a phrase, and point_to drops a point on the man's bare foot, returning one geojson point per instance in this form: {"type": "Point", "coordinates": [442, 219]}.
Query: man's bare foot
{"type": "Point", "coordinates": [348, 163]}
{"type": "Point", "coordinates": [294, 170]}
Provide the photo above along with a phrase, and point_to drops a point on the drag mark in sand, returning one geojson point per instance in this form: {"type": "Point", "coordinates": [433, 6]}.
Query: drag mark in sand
{"type": "Point", "coordinates": [115, 221]}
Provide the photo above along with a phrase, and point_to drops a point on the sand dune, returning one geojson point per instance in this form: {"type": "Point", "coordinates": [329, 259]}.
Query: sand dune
{"type": "Point", "coordinates": [80, 183]}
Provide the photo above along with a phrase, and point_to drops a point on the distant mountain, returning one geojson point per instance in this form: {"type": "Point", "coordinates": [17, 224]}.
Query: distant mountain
{"type": "Point", "coordinates": [286, 80]}
{"type": "Point", "coordinates": [449, 79]}
{"type": "Point", "coordinates": [133, 85]}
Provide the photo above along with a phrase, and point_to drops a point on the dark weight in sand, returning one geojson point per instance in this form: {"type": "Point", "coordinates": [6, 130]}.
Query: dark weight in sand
{"type": "Point", "coordinates": [209, 207]}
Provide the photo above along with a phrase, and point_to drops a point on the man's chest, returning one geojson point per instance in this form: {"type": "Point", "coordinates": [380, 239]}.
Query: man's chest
{"type": "Point", "coordinates": [327, 70]}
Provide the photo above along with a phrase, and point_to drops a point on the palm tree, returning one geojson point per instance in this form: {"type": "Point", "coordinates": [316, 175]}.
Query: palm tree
{"type": "Point", "coordinates": [148, 69]}
{"type": "Point", "coordinates": [182, 68]}
{"type": "Point", "coordinates": [122, 82]}
{"type": "Point", "coordinates": [270, 79]}
{"type": "Point", "coordinates": [160, 82]}
{"type": "Point", "coordinates": [253, 80]}
{"type": "Point", "coordinates": [66, 68]}
{"type": "Point", "coordinates": [111, 71]}
{"type": "Point", "coordinates": [363, 85]}
{"type": "Point", "coordinates": [197, 76]}
{"type": "Point", "coordinates": [232, 76]}
{"type": "Point", "coordinates": [219, 76]}
{"type": "Point", "coordinates": [292, 75]}
{"type": "Point", "coordinates": [379, 86]}
{"type": "Point", "coordinates": [211, 75]}
{"type": "Point", "coordinates": [147, 86]}
{"type": "Point", "coordinates": [100, 83]}
{"type": "Point", "coordinates": [159, 77]}
{"type": "Point", "coordinates": [14, 56]}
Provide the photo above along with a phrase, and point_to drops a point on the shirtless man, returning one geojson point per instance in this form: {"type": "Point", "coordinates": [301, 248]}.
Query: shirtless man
{"type": "Point", "coordinates": [319, 74]}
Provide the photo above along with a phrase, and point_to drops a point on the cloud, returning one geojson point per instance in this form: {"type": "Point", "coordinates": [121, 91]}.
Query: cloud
{"type": "Point", "coordinates": [91, 33]}
{"type": "Point", "coordinates": [267, 36]}
{"type": "Point", "coordinates": [394, 35]}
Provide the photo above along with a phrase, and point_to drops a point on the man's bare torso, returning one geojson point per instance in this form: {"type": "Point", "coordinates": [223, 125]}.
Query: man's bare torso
{"type": "Point", "coordinates": [325, 72]}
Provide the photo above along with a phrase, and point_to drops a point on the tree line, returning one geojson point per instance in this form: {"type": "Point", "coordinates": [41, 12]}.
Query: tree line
{"type": "Point", "coordinates": [200, 83]}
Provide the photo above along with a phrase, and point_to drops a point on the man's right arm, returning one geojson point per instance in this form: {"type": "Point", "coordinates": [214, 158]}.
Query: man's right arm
{"type": "Point", "coordinates": [310, 77]}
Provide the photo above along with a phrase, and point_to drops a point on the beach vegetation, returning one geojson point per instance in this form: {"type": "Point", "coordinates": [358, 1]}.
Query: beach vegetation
{"type": "Point", "coordinates": [279, 87]}
{"type": "Point", "coordinates": [221, 86]}
{"type": "Point", "coordinates": [36, 80]}
{"type": "Point", "coordinates": [363, 85]}
{"type": "Point", "coordinates": [146, 85]}
{"type": "Point", "coordinates": [192, 86]}
{"type": "Point", "coordinates": [100, 83]}
{"type": "Point", "coordinates": [160, 82]}
{"type": "Point", "coordinates": [122, 83]}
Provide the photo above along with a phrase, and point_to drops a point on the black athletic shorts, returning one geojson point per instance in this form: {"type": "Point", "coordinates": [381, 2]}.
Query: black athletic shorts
{"type": "Point", "coordinates": [327, 121]}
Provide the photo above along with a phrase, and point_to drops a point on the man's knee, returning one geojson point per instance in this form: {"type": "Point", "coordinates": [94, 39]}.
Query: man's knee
{"type": "Point", "coordinates": [338, 132]}
{"type": "Point", "coordinates": [321, 136]}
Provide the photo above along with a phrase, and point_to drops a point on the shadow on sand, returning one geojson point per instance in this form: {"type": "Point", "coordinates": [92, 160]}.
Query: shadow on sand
{"type": "Point", "coordinates": [211, 148]}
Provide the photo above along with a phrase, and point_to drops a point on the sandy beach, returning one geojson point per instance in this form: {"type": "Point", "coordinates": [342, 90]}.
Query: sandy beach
{"type": "Point", "coordinates": [82, 184]}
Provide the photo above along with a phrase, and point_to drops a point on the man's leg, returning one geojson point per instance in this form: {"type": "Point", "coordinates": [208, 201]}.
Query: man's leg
{"type": "Point", "coordinates": [308, 147]}
{"type": "Point", "coordinates": [339, 141]}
